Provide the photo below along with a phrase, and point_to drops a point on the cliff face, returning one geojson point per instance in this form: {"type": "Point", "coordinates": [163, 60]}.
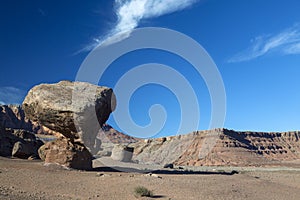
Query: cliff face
{"type": "Point", "coordinates": [221, 147]}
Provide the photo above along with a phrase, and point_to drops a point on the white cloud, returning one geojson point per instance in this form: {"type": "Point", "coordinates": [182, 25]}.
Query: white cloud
{"type": "Point", "coordinates": [285, 42]}
{"type": "Point", "coordinates": [131, 12]}
{"type": "Point", "coordinates": [293, 49]}
{"type": "Point", "coordinates": [11, 95]}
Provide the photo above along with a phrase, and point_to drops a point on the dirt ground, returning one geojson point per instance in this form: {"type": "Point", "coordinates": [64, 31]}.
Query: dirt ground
{"type": "Point", "coordinates": [23, 179]}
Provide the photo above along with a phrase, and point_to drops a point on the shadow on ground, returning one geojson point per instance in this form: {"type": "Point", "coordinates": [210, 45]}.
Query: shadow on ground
{"type": "Point", "coordinates": [161, 171]}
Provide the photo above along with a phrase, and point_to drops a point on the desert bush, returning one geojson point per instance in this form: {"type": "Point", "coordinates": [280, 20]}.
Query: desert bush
{"type": "Point", "coordinates": [141, 191]}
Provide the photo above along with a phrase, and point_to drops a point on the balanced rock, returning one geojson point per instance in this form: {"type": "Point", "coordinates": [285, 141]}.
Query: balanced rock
{"type": "Point", "coordinates": [66, 153]}
{"type": "Point", "coordinates": [77, 110]}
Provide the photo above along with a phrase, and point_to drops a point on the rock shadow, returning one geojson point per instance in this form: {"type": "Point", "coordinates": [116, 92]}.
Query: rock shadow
{"type": "Point", "coordinates": [162, 171]}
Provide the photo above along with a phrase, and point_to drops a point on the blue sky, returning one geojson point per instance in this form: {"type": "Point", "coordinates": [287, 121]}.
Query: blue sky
{"type": "Point", "coordinates": [255, 45]}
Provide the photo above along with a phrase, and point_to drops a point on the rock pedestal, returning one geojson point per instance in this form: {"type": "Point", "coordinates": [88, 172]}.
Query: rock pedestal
{"type": "Point", "coordinates": [66, 153]}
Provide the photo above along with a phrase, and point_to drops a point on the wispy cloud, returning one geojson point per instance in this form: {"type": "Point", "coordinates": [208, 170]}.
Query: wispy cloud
{"type": "Point", "coordinates": [285, 42]}
{"type": "Point", "coordinates": [293, 49]}
{"type": "Point", "coordinates": [131, 12]}
{"type": "Point", "coordinates": [11, 95]}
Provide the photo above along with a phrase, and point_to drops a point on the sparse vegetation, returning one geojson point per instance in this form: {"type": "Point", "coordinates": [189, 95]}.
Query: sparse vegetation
{"type": "Point", "coordinates": [141, 191]}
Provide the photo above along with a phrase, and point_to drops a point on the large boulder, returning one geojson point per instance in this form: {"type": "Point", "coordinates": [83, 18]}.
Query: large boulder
{"type": "Point", "coordinates": [25, 150]}
{"type": "Point", "coordinates": [65, 152]}
{"type": "Point", "coordinates": [77, 110]}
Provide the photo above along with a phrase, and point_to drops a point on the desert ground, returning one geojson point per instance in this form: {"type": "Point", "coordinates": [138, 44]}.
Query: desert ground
{"type": "Point", "coordinates": [24, 179]}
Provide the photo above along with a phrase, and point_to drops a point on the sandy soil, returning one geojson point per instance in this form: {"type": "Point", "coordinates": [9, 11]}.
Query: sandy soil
{"type": "Point", "coordinates": [23, 179]}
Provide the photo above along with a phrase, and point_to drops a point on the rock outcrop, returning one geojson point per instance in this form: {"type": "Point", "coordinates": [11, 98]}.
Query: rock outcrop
{"type": "Point", "coordinates": [227, 147]}
{"type": "Point", "coordinates": [110, 137]}
{"type": "Point", "coordinates": [13, 116]}
{"type": "Point", "coordinates": [25, 150]}
{"type": "Point", "coordinates": [77, 110]}
{"type": "Point", "coordinates": [65, 152]}
{"type": "Point", "coordinates": [18, 143]}
{"type": "Point", "coordinates": [122, 153]}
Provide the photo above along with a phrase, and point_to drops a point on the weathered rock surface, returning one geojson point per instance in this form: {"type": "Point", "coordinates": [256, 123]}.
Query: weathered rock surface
{"type": "Point", "coordinates": [122, 153]}
{"type": "Point", "coordinates": [77, 110]}
{"type": "Point", "coordinates": [42, 152]}
{"type": "Point", "coordinates": [228, 147]}
{"type": "Point", "coordinates": [18, 143]}
{"type": "Point", "coordinates": [65, 152]}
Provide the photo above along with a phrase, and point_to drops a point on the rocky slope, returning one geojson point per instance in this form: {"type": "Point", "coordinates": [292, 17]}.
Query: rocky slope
{"type": "Point", "coordinates": [16, 133]}
{"type": "Point", "coordinates": [221, 147]}
{"type": "Point", "coordinates": [18, 143]}
{"type": "Point", "coordinates": [110, 135]}
{"type": "Point", "coordinates": [13, 116]}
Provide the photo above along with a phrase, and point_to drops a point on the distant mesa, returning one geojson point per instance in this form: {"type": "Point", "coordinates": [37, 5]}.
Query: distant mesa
{"type": "Point", "coordinates": [231, 148]}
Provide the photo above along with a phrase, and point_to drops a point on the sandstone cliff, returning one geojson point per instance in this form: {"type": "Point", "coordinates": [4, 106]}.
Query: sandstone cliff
{"type": "Point", "coordinates": [228, 148]}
